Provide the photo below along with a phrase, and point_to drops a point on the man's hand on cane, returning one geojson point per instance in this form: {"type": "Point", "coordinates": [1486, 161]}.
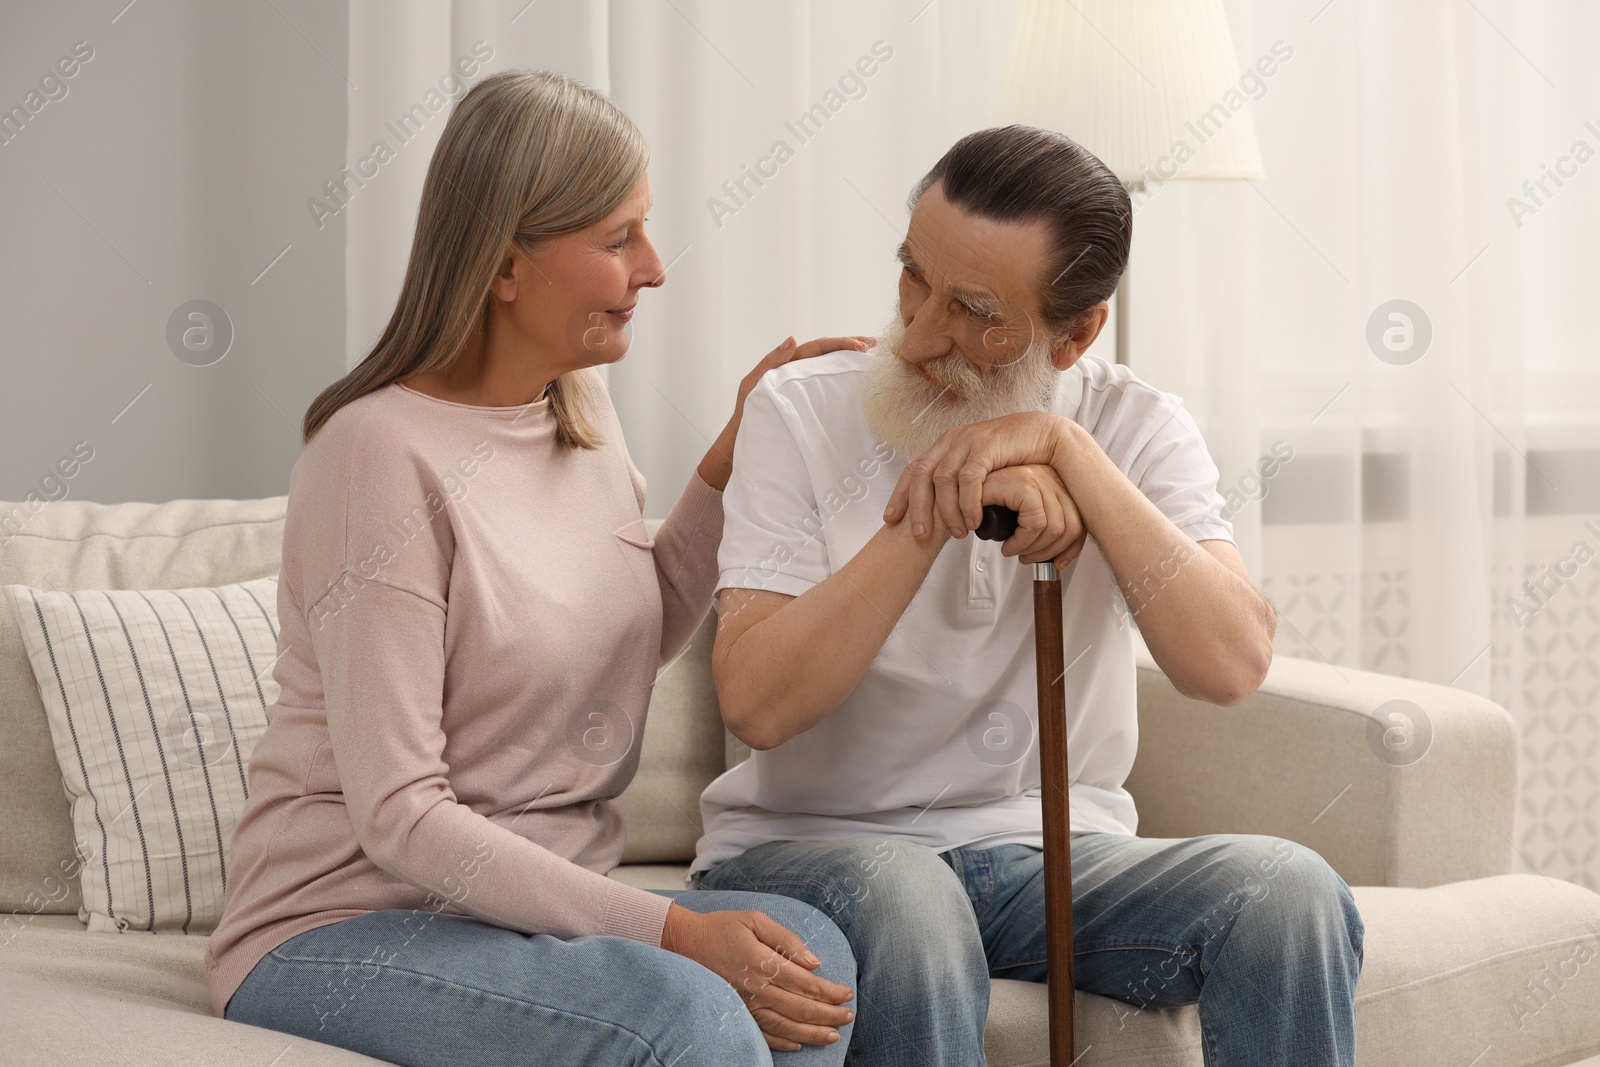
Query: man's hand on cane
{"type": "Point", "coordinates": [949, 477]}
{"type": "Point", "coordinates": [1049, 527]}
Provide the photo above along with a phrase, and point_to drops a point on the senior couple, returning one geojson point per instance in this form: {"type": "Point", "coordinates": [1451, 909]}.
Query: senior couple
{"type": "Point", "coordinates": [420, 874]}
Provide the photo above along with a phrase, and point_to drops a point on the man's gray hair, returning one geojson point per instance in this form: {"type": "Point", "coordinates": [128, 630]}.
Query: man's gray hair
{"type": "Point", "coordinates": [1022, 173]}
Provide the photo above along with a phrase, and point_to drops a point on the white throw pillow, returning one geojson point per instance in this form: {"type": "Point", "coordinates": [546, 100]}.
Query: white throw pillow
{"type": "Point", "coordinates": [155, 698]}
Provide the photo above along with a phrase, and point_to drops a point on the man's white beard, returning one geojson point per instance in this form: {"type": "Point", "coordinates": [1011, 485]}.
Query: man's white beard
{"type": "Point", "coordinates": [910, 413]}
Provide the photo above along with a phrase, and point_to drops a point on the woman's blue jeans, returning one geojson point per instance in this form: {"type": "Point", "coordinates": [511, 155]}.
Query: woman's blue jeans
{"type": "Point", "coordinates": [1258, 931]}
{"type": "Point", "coordinates": [427, 989]}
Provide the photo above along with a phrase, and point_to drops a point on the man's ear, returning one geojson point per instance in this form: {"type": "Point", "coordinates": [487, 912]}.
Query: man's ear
{"type": "Point", "coordinates": [1065, 352]}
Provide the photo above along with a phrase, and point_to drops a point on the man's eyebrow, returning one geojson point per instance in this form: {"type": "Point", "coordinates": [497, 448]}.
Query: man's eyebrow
{"type": "Point", "coordinates": [978, 304]}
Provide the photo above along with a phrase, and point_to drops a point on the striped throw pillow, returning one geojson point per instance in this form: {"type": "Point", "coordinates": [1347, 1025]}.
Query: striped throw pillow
{"type": "Point", "coordinates": [155, 698]}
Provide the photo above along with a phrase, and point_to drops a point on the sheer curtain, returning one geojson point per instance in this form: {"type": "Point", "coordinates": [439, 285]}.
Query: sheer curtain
{"type": "Point", "coordinates": [1424, 483]}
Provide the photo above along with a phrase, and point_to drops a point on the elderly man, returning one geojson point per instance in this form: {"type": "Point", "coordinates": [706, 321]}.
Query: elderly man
{"type": "Point", "coordinates": [879, 660]}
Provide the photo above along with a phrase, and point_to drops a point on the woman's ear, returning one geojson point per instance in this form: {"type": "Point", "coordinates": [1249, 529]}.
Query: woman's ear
{"type": "Point", "coordinates": [513, 265]}
{"type": "Point", "coordinates": [518, 271]}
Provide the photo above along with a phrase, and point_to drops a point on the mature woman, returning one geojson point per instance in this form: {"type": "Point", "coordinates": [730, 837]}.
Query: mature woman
{"type": "Point", "coordinates": [472, 617]}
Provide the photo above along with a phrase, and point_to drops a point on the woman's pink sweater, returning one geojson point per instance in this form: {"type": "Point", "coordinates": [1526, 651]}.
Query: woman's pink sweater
{"type": "Point", "coordinates": [471, 623]}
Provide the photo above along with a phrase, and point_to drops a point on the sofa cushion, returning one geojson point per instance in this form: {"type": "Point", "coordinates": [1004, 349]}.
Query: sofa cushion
{"type": "Point", "coordinates": [76, 997]}
{"type": "Point", "coordinates": [652, 875]}
{"type": "Point", "coordinates": [70, 545]}
{"type": "Point", "coordinates": [1508, 965]}
{"type": "Point", "coordinates": [155, 699]}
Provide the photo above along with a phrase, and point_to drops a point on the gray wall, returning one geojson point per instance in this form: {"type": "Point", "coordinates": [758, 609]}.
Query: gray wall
{"type": "Point", "coordinates": [176, 167]}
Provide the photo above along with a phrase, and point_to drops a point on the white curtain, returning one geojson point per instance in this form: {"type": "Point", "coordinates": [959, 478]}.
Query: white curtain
{"type": "Point", "coordinates": [1421, 492]}
{"type": "Point", "coordinates": [1421, 495]}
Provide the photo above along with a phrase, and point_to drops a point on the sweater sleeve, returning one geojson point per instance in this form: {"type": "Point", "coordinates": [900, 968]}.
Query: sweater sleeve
{"type": "Point", "coordinates": [686, 563]}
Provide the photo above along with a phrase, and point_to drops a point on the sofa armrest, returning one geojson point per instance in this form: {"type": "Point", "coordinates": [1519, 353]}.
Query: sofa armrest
{"type": "Point", "coordinates": [1304, 758]}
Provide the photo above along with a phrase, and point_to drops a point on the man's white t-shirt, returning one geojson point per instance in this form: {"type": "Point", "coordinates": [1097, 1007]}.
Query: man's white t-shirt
{"type": "Point", "coordinates": [938, 744]}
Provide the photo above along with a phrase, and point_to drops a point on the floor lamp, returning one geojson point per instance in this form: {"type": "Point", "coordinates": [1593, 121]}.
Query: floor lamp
{"type": "Point", "coordinates": [1151, 87]}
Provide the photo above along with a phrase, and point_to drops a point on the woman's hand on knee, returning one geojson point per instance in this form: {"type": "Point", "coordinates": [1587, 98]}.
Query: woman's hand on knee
{"type": "Point", "coordinates": [770, 968]}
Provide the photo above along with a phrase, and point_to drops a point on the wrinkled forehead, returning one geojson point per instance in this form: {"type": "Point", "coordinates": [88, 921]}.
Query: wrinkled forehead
{"type": "Point", "coordinates": [1004, 261]}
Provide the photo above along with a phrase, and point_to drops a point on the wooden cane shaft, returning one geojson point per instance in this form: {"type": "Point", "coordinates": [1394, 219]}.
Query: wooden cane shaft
{"type": "Point", "coordinates": [1057, 825]}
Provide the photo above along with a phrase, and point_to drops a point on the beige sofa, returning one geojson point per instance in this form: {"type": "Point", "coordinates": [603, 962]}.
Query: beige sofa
{"type": "Point", "coordinates": [1452, 938]}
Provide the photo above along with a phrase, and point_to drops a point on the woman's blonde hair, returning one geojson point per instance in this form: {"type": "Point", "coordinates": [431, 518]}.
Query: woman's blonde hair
{"type": "Point", "coordinates": [526, 155]}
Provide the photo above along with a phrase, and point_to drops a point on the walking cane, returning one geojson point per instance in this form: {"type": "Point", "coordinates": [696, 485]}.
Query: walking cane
{"type": "Point", "coordinates": [998, 524]}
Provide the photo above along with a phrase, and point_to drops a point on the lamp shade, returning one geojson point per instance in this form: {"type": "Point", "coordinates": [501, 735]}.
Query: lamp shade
{"type": "Point", "coordinates": [1151, 87]}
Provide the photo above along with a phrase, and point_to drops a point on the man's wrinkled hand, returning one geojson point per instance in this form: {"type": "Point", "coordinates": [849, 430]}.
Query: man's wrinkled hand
{"type": "Point", "coordinates": [1048, 524]}
{"type": "Point", "coordinates": [949, 477]}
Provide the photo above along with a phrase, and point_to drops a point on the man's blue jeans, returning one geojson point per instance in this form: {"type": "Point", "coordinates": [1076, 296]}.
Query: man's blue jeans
{"type": "Point", "coordinates": [1258, 931]}
{"type": "Point", "coordinates": [426, 989]}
